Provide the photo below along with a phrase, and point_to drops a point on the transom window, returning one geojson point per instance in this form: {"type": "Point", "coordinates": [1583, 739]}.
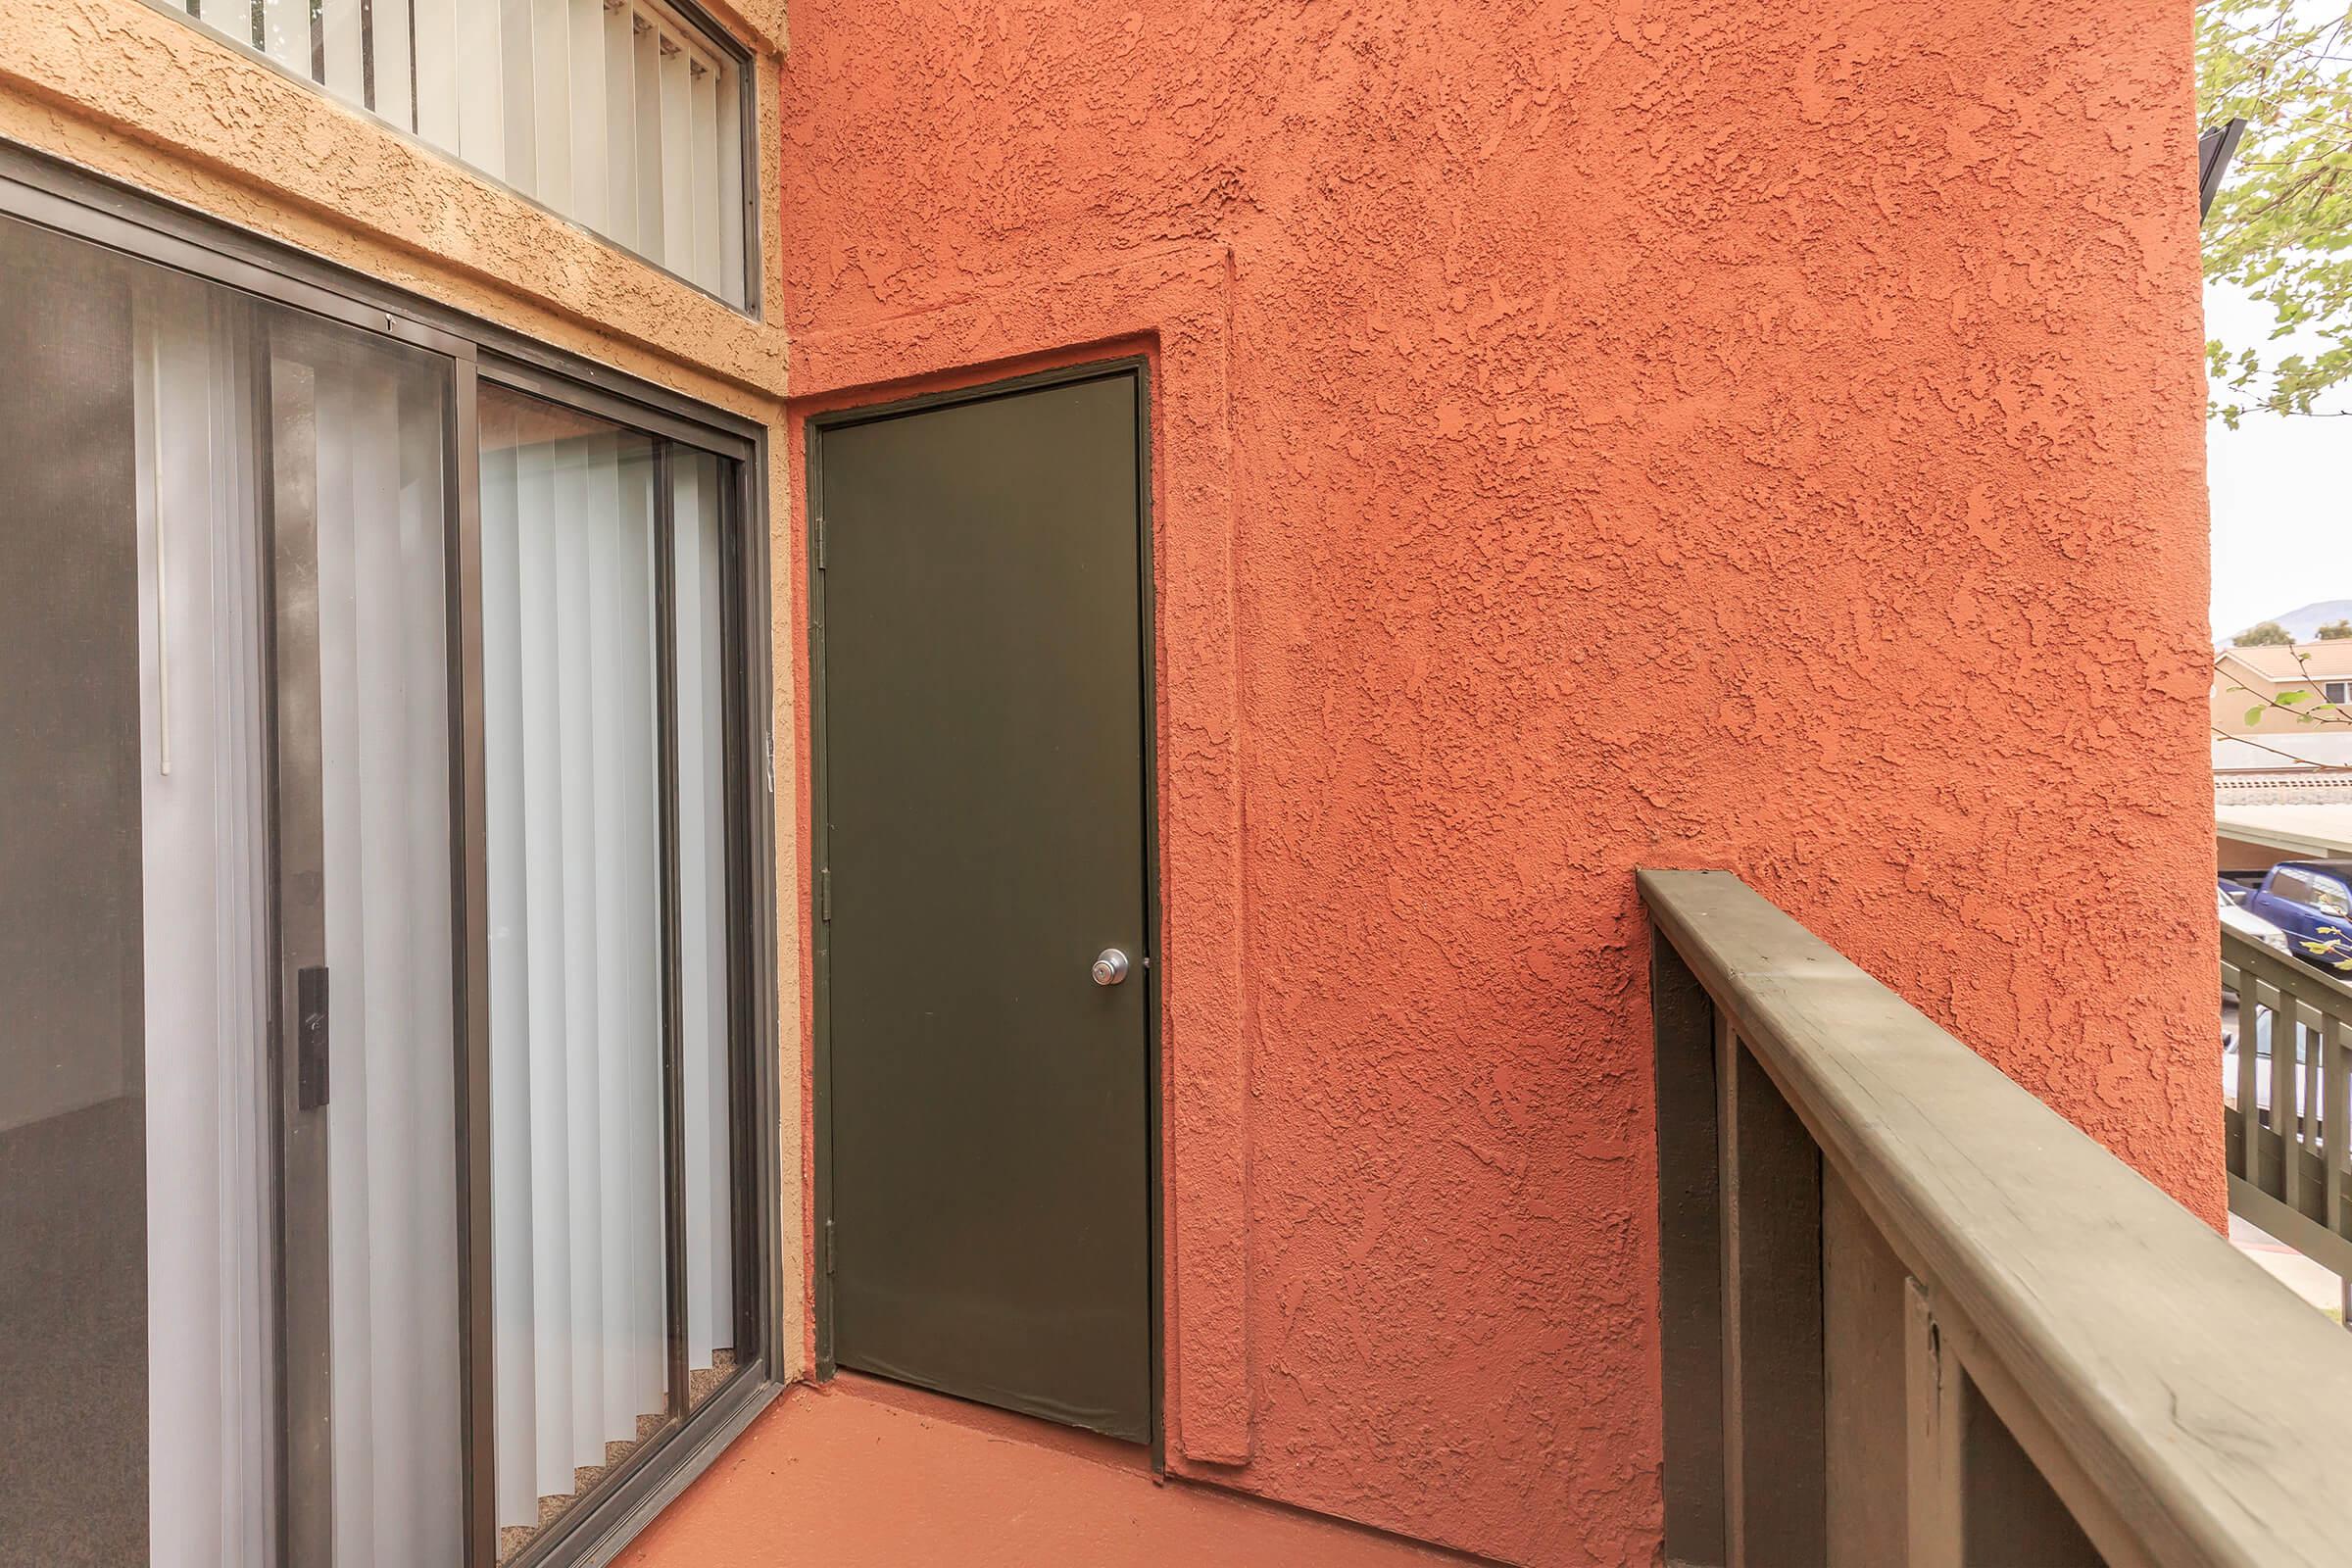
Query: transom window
{"type": "Point", "coordinates": [379, 1114]}
{"type": "Point", "coordinates": [624, 116]}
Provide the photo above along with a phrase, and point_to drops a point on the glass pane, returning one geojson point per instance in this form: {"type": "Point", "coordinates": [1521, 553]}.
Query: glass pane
{"type": "Point", "coordinates": [358, 491]}
{"type": "Point", "coordinates": [574, 878]}
{"type": "Point", "coordinates": [698, 502]}
{"type": "Point", "coordinates": [134, 1314]}
{"type": "Point", "coordinates": [617, 114]}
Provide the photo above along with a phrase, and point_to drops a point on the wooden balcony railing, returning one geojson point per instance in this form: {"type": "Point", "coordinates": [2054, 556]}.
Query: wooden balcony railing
{"type": "Point", "coordinates": [2294, 1050]}
{"type": "Point", "coordinates": [1911, 1315]}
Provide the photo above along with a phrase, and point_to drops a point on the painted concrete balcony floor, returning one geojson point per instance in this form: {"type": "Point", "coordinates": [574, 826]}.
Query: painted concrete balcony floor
{"type": "Point", "coordinates": [862, 1474]}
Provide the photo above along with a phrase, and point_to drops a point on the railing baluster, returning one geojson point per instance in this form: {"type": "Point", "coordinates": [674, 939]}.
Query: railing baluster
{"type": "Point", "coordinates": [1932, 1436]}
{"type": "Point", "coordinates": [1776, 1501]}
{"type": "Point", "coordinates": [2336, 1054]}
{"type": "Point", "coordinates": [2249, 1118]}
{"type": "Point", "coordinates": [2286, 1091]}
{"type": "Point", "coordinates": [2310, 1042]}
{"type": "Point", "coordinates": [1865, 1382]}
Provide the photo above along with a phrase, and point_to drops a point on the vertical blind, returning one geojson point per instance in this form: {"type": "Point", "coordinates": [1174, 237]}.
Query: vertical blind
{"type": "Point", "coordinates": [203, 836]}
{"type": "Point", "coordinates": [570, 667]}
{"type": "Point", "coordinates": [369, 448]}
{"type": "Point", "coordinates": [376, 461]}
{"type": "Point", "coordinates": [702, 914]}
{"type": "Point", "coordinates": [617, 114]}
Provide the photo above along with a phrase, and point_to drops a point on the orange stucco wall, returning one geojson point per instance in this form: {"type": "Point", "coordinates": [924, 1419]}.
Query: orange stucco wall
{"type": "Point", "coordinates": [1587, 436]}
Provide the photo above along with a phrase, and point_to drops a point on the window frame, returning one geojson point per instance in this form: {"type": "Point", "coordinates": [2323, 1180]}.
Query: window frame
{"type": "Point", "coordinates": [55, 196]}
{"type": "Point", "coordinates": [746, 120]}
{"type": "Point", "coordinates": [2330, 688]}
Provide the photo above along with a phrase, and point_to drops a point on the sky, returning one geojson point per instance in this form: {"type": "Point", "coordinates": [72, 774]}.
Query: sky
{"type": "Point", "coordinates": [2281, 490]}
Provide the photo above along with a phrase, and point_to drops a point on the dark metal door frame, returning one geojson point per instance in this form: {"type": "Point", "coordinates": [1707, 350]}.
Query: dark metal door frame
{"type": "Point", "coordinates": [820, 855]}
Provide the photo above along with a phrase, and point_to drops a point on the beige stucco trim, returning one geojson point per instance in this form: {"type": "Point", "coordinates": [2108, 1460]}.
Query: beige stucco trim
{"type": "Point", "coordinates": [124, 90]}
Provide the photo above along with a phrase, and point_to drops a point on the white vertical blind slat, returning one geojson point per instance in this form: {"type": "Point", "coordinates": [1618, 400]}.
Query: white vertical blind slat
{"type": "Point", "coordinates": [518, 64]}
{"type": "Point", "coordinates": [344, 47]}
{"type": "Point", "coordinates": [435, 66]}
{"type": "Point", "coordinates": [652, 159]}
{"type": "Point", "coordinates": [551, 89]}
{"type": "Point", "coordinates": [702, 76]}
{"type": "Point", "coordinates": [286, 33]}
{"type": "Point", "coordinates": [480, 73]}
{"type": "Point", "coordinates": [678, 159]}
{"type": "Point", "coordinates": [620, 124]}
{"type": "Point", "coordinates": [577, 786]}
{"type": "Point", "coordinates": [391, 79]}
{"type": "Point", "coordinates": [694, 934]}
{"type": "Point", "coordinates": [515, 1278]}
{"type": "Point", "coordinates": [649, 1361]}
{"type": "Point", "coordinates": [702, 912]}
{"type": "Point", "coordinates": [715, 1164]}
{"type": "Point", "coordinates": [550, 1090]}
{"type": "Point", "coordinates": [729, 189]}
{"type": "Point", "coordinates": [591, 174]}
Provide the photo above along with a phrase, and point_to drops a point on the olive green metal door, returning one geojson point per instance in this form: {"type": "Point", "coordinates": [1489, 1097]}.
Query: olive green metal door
{"type": "Point", "coordinates": [983, 881]}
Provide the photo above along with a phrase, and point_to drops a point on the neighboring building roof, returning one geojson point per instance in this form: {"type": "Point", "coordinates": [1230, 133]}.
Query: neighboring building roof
{"type": "Point", "coordinates": [2323, 661]}
{"type": "Point", "coordinates": [2321, 831]}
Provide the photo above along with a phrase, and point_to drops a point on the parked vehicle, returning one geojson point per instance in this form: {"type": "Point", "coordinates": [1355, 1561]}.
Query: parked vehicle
{"type": "Point", "coordinates": [2247, 923]}
{"type": "Point", "coordinates": [2310, 901]}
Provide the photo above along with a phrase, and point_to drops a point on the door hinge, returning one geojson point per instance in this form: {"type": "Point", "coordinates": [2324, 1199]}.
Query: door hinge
{"type": "Point", "coordinates": [825, 895]}
{"type": "Point", "coordinates": [830, 1249]}
{"type": "Point", "coordinates": [816, 541]}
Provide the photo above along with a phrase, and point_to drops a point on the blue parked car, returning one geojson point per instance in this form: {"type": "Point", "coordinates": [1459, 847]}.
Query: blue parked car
{"type": "Point", "coordinates": [2311, 900]}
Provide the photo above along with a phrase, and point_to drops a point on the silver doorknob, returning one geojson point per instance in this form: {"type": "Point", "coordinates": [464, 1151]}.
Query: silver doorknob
{"type": "Point", "coordinates": [1110, 967]}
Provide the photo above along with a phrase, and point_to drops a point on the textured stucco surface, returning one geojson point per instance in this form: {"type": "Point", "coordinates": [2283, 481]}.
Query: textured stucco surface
{"type": "Point", "coordinates": [1661, 433]}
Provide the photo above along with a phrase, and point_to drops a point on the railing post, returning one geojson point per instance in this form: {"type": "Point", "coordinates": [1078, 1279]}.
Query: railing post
{"type": "Point", "coordinates": [1690, 1259]}
{"type": "Point", "coordinates": [1775, 1491]}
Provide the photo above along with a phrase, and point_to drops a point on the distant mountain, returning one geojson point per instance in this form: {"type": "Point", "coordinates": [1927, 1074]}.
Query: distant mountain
{"type": "Point", "coordinates": [2303, 624]}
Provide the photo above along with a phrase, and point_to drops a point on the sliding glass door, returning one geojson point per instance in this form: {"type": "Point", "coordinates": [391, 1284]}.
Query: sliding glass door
{"type": "Point", "coordinates": [359, 487]}
{"type": "Point", "coordinates": [374, 959]}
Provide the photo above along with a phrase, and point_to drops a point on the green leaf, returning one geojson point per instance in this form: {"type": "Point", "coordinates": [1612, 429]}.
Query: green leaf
{"type": "Point", "coordinates": [2254, 714]}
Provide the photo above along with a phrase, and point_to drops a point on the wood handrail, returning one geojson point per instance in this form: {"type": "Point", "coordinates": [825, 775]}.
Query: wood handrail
{"type": "Point", "coordinates": [2186, 1407]}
